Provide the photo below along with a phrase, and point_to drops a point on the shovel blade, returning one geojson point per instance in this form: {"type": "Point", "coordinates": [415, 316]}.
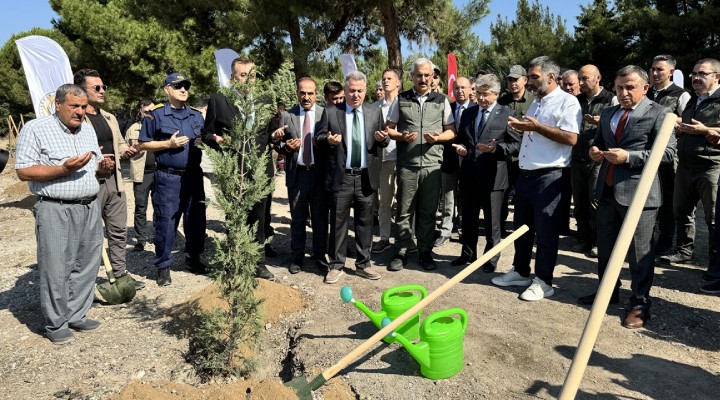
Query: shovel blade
{"type": "Point", "coordinates": [116, 293]}
{"type": "Point", "coordinates": [303, 388]}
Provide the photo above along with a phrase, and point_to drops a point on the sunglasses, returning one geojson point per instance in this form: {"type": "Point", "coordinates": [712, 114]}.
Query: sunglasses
{"type": "Point", "coordinates": [97, 88]}
{"type": "Point", "coordinates": [178, 85]}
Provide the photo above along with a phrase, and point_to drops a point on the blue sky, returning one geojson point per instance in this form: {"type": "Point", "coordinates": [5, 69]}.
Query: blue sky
{"type": "Point", "coordinates": [21, 16]}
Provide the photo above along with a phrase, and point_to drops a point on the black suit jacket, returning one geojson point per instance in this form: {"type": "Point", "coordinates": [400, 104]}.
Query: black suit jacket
{"type": "Point", "coordinates": [333, 120]}
{"type": "Point", "coordinates": [291, 118]}
{"type": "Point", "coordinates": [219, 119]}
{"type": "Point", "coordinates": [488, 169]}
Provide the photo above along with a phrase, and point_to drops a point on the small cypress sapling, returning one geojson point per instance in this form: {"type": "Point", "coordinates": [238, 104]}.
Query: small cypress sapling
{"type": "Point", "coordinates": [240, 182]}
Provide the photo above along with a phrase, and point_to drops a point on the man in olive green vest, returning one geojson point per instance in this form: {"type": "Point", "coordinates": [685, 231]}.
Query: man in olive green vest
{"type": "Point", "coordinates": [420, 121]}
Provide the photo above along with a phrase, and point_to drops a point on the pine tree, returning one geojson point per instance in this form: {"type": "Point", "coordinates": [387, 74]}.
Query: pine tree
{"type": "Point", "coordinates": [240, 182]}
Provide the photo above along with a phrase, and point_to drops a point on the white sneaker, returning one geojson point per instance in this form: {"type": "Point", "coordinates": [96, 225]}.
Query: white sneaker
{"type": "Point", "coordinates": [511, 278]}
{"type": "Point", "coordinates": [537, 291]}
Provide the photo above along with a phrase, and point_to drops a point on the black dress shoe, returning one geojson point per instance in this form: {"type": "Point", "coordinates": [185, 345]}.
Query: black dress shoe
{"type": "Point", "coordinates": [427, 262]}
{"type": "Point", "coordinates": [489, 268]}
{"type": "Point", "coordinates": [294, 268]}
{"type": "Point", "coordinates": [139, 246]}
{"type": "Point", "coordinates": [590, 299]}
{"type": "Point", "coordinates": [463, 260]}
{"type": "Point", "coordinates": [398, 262]}
{"type": "Point", "coordinates": [163, 277]}
{"type": "Point", "coordinates": [195, 266]}
{"type": "Point", "coordinates": [263, 273]}
{"type": "Point", "coordinates": [270, 252]}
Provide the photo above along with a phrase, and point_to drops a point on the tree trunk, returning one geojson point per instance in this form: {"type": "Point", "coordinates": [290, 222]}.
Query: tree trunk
{"type": "Point", "coordinates": [388, 16]}
{"type": "Point", "coordinates": [300, 50]}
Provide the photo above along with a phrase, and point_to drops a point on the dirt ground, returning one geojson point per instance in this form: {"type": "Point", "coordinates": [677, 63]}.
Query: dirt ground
{"type": "Point", "coordinates": [512, 349]}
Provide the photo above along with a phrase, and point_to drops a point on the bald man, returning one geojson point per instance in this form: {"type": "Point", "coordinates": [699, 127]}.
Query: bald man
{"type": "Point", "coordinates": [462, 89]}
{"type": "Point", "coordinates": [584, 171]}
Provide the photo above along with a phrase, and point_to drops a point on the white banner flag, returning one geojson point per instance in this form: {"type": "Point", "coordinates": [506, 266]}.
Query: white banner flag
{"type": "Point", "coordinates": [46, 68]}
{"type": "Point", "coordinates": [223, 59]}
{"type": "Point", "coordinates": [348, 63]}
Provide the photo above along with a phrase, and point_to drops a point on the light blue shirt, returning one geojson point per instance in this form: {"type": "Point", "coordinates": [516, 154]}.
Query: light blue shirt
{"type": "Point", "coordinates": [46, 141]}
{"type": "Point", "coordinates": [348, 139]}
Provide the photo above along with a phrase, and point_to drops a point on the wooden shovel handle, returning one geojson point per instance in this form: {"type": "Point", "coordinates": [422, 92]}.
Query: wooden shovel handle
{"type": "Point", "coordinates": [106, 263]}
{"type": "Point", "coordinates": [365, 346]}
{"type": "Point", "coordinates": [615, 263]}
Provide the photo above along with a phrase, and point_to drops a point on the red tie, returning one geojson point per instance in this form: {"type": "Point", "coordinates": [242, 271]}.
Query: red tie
{"type": "Point", "coordinates": [618, 134]}
{"type": "Point", "coordinates": [307, 141]}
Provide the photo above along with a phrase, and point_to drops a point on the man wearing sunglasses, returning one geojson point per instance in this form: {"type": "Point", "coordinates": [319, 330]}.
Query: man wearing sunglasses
{"type": "Point", "coordinates": [170, 131]}
{"type": "Point", "coordinates": [112, 200]}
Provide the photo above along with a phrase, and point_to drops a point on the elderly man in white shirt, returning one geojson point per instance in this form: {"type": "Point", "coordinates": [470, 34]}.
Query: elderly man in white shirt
{"type": "Point", "coordinates": [550, 129]}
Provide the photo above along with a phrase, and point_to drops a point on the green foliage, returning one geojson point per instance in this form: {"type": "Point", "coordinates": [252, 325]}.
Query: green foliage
{"type": "Point", "coordinates": [535, 31]}
{"type": "Point", "coordinates": [240, 183]}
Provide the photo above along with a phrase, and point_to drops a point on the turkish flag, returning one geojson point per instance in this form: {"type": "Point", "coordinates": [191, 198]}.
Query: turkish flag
{"type": "Point", "coordinates": [452, 75]}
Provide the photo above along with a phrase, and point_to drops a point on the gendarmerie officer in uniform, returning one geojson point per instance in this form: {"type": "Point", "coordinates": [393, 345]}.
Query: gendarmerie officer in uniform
{"type": "Point", "coordinates": [170, 130]}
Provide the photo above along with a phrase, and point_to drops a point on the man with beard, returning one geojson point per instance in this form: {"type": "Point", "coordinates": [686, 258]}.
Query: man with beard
{"type": "Point", "coordinates": [550, 129]}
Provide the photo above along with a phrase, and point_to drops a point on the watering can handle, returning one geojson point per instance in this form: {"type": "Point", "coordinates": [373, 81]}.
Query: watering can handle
{"type": "Point", "coordinates": [367, 344]}
{"type": "Point", "coordinates": [405, 288]}
{"type": "Point", "coordinates": [450, 311]}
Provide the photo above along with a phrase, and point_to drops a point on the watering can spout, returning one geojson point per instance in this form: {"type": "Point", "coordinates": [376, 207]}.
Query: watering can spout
{"type": "Point", "coordinates": [375, 317]}
{"type": "Point", "coordinates": [419, 351]}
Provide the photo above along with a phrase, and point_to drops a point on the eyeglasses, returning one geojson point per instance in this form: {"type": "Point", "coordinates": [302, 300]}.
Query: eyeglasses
{"type": "Point", "coordinates": [701, 74]}
{"type": "Point", "coordinates": [185, 85]}
{"type": "Point", "coordinates": [97, 88]}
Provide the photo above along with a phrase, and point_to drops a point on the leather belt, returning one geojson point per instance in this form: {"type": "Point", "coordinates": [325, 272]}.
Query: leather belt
{"type": "Point", "coordinates": [535, 172]}
{"type": "Point", "coordinates": [174, 171]}
{"type": "Point", "coordinates": [353, 171]}
{"type": "Point", "coordinates": [306, 167]}
{"type": "Point", "coordinates": [83, 201]}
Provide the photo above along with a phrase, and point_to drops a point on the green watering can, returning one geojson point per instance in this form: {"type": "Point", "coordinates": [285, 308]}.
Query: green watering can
{"type": "Point", "coordinates": [394, 302]}
{"type": "Point", "coordinates": [440, 349]}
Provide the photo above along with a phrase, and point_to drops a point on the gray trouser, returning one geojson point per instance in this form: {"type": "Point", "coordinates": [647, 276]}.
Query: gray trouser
{"type": "Point", "coordinates": [449, 194]}
{"type": "Point", "coordinates": [113, 206]}
{"type": "Point", "coordinates": [69, 237]}
{"type": "Point", "coordinates": [693, 185]}
{"type": "Point", "coordinates": [386, 194]}
{"type": "Point", "coordinates": [418, 190]}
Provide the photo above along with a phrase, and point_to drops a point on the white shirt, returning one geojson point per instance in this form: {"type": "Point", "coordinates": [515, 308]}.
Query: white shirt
{"type": "Point", "coordinates": [306, 114]}
{"type": "Point", "coordinates": [557, 109]}
{"type": "Point", "coordinates": [458, 108]}
{"type": "Point", "coordinates": [389, 152]}
{"type": "Point", "coordinates": [349, 116]}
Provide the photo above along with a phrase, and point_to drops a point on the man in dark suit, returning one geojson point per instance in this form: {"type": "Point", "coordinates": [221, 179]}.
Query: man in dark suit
{"type": "Point", "coordinates": [486, 142]}
{"type": "Point", "coordinates": [352, 133]}
{"type": "Point", "coordinates": [304, 172]}
{"type": "Point", "coordinates": [219, 121]}
{"type": "Point", "coordinates": [450, 164]}
{"type": "Point", "coordinates": [624, 137]}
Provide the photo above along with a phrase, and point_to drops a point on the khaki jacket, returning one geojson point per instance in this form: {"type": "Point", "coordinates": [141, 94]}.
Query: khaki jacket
{"type": "Point", "coordinates": [137, 163]}
{"type": "Point", "coordinates": [119, 145]}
